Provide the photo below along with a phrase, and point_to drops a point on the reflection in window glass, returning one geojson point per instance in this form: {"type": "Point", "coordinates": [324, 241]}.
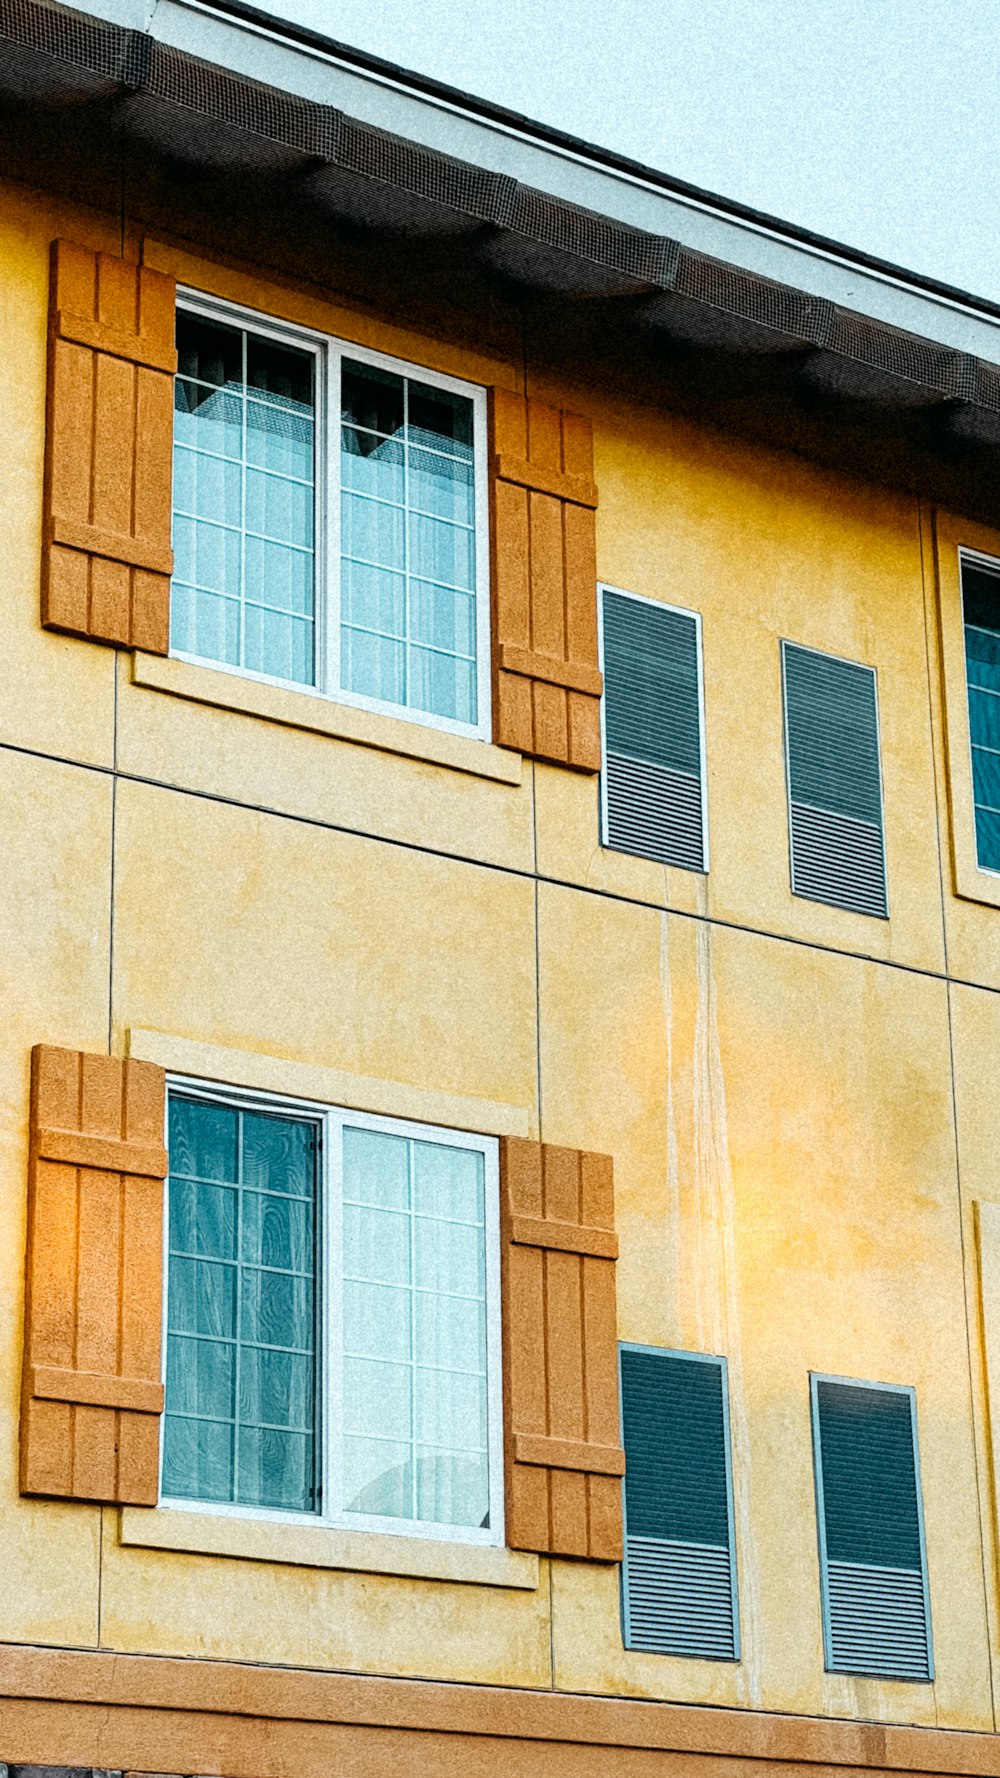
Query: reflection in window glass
{"type": "Point", "coordinates": [244, 501]}
{"type": "Point", "coordinates": [408, 544]}
{"type": "Point", "coordinates": [414, 1382]}
{"type": "Point", "coordinates": [981, 602]}
{"type": "Point", "coordinates": [240, 1419]}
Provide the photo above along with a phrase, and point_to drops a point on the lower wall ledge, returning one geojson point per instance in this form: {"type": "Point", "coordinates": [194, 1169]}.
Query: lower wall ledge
{"type": "Point", "coordinates": [82, 1713]}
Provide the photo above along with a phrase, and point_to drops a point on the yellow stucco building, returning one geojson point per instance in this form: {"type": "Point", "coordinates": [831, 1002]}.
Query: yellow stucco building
{"type": "Point", "coordinates": [497, 750]}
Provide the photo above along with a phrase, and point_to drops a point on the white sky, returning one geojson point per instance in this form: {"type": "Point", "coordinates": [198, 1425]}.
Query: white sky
{"type": "Point", "coordinates": [873, 121]}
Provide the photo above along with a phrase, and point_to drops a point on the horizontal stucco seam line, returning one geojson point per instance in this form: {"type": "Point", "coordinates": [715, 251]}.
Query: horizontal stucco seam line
{"type": "Point", "coordinates": [160, 1685]}
{"type": "Point", "coordinates": [505, 870]}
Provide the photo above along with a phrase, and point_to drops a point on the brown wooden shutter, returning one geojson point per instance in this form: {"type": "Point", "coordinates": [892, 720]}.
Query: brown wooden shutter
{"type": "Point", "coordinates": [109, 441]}
{"type": "Point", "coordinates": [91, 1391]}
{"type": "Point", "coordinates": [564, 1460]}
{"type": "Point", "coordinates": [546, 680]}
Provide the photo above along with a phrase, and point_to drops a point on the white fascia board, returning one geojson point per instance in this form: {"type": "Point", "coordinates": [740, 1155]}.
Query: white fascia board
{"type": "Point", "coordinates": [378, 99]}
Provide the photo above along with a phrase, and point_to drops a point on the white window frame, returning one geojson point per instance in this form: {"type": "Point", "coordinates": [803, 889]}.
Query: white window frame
{"type": "Point", "coordinates": [604, 586]}
{"type": "Point", "coordinates": [331, 1121]}
{"type": "Point", "coordinates": [329, 352]}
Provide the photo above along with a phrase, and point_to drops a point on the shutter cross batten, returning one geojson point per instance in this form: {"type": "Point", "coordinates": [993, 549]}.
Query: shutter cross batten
{"type": "Point", "coordinates": [107, 557]}
{"type": "Point", "coordinates": [92, 1389]}
{"type": "Point", "coordinates": [546, 675]}
{"type": "Point", "coordinates": [561, 1431]}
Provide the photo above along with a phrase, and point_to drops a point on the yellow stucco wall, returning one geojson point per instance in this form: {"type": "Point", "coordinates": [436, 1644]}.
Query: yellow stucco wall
{"type": "Point", "coordinates": [801, 1110]}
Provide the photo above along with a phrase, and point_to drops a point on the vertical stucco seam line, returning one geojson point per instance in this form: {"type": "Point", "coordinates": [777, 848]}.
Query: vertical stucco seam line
{"type": "Point", "coordinates": [930, 626]}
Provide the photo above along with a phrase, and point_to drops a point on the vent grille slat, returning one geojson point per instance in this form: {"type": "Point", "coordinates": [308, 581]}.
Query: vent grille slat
{"type": "Point", "coordinates": [680, 1598]}
{"type": "Point", "coordinates": [679, 1574]}
{"type": "Point", "coordinates": [652, 713]}
{"type": "Point", "coordinates": [834, 782]}
{"type": "Point", "coordinates": [877, 1618]}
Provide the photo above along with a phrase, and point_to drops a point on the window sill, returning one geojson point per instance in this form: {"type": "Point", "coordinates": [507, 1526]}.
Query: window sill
{"type": "Point", "coordinates": [324, 716]}
{"type": "Point", "coordinates": [320, 1546]}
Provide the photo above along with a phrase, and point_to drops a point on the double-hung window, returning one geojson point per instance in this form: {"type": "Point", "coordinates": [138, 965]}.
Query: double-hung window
{"type": "Point", "coordinates": [330, 519]}
{"type": "Point", "coordinates": [331, 1318]}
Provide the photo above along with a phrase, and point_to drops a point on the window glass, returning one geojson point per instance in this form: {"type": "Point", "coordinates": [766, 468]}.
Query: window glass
{"type": "Point", "coordinates": [414, 1330]}
{"type": "Point", "coordinates": [244, 501]}
{"type": "Point", "coordinates": [240, 1420]}
{"type": "Point", "coordinates": [981, 601]}
{"type": "Point", "coordinates": [408, 543]}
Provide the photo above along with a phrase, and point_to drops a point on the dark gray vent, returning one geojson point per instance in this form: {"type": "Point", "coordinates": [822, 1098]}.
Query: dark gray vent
{"type": "Point", "coordinates": [876, 1614]}
{"type": "Point", "coordinates": [653, 788]}
{"type": "Point", "coordinates": [834, 782]}
{"type": "Point", "coordinates": [679, 1575]}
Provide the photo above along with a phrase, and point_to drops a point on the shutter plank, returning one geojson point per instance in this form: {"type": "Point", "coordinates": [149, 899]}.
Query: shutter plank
{"type": "Point", "coordinates": [93, 1296]}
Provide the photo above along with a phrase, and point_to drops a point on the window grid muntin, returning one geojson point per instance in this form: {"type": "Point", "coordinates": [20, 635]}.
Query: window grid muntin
{"type": "Point", "coordinates": [991, 566]}
{"type": "Point", "coordinates": [327, 482]}
{"type": "Point", "coordinates": [332, 1120]}
{"type": "Point", "coordinates": [246, 324]}
{"type": "Point", "coordinates": [237, 1341]}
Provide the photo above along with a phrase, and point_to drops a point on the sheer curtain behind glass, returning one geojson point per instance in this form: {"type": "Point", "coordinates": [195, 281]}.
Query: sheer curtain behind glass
{"type": "Point", "coordinates": [244, 497]}
{"type": "Point", "coordinates": [240, 1420]}
{"type": "Point", "coordinates": [408, 544]}
{"type": "Point", "coordinates": [981, 599]}
{"type": "Point", "coordinates": [414, 1384]}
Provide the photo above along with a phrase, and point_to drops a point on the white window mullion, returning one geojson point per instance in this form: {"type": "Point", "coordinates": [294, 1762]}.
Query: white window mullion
{"type": "Point", "coordinates": [329, 425]}
{"type": "Point", "coordinates": [333, 1503]}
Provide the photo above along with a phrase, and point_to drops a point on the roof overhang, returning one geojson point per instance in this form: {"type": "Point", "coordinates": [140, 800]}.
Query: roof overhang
{"type": "Point", "coordinates": [118, 115]}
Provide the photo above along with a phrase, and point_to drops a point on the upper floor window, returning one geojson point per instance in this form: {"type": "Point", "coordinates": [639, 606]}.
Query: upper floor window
{"type": "Point", "coordinates": [981, 613]}
{"type": "Point", "coordinates": [331, 1338]}
{"type": "Point", "coordinates": [329, 521]}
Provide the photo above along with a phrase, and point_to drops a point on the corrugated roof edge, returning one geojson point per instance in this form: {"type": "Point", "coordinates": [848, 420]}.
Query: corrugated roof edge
{"type": "Point", "coordinates": [605, 157]}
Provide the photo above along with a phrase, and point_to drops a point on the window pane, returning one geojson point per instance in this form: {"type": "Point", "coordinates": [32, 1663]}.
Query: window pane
{"type": "Point", "coordinates": [408, 545]}
{"type": "Point", "coordinates": [241, 1322]}
{"type": "Point", "coordinates": [441, 419]}
{"type": "Point", "coordinates": [414, 1382]}
{"type": "Point", "coordinates": [373, 465]}
{"type": "Point", "coordinates": [372, 398]}
{"type": "Point", "coordinates": [244, 501]}
{"type": "Point", "coordinates": [442, 485]}
{"type": "Point", "coordinates": [208, 350]}
{"type": "Point", "coordinates": [439, 551]}
{"type": "Point", "coordinates": [442, 684]}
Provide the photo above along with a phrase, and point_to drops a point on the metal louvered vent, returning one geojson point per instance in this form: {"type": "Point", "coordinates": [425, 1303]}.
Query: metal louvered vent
{"type": "Point", "coordinates": [834, 781]}
{"type": "Point", "coordinates": [876, 1614]}
{"type": "Point", "coordinates": [679, 1574]}
{"type": "Point", "coordinates": [653, 778]}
